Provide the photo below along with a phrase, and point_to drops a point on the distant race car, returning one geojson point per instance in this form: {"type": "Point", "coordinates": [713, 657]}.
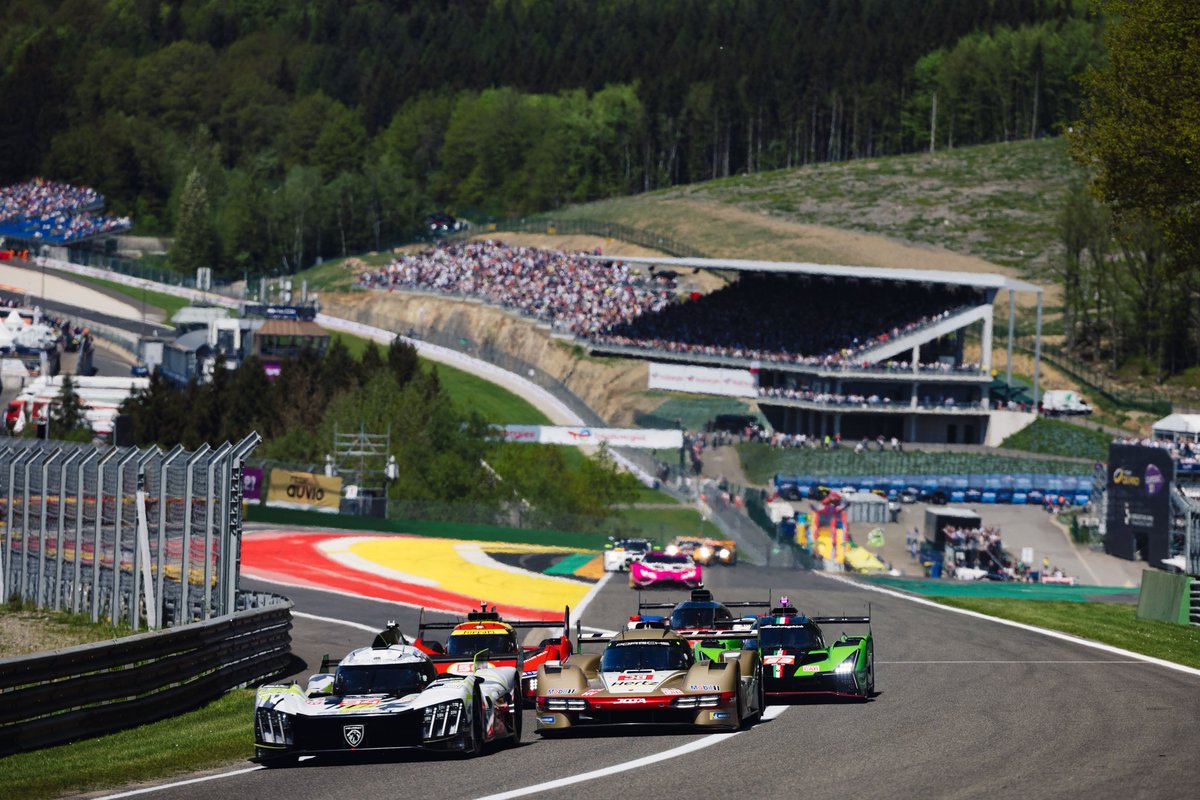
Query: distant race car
{"type": "Point", "coordinates": [485, 630]}
{"type": "Point", "coordinates": [382, 698]}
{"type": "Point", "coordinates": [662, 569]}
{"type": "Point", "coordinates": [619, 553]}
{"type": "Point", "coordinates": [706, 551]}
{"type": "Point", "coordinates": [797, 659]}
{"type": "Point", "coordinates": [649, 676]}
{"type": "Point", "coordinates": [709, 626]}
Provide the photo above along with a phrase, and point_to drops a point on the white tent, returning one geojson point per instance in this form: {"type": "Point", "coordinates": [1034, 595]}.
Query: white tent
{"type": "Point", "coordinates": [14, 321]}
{"type": "Point", "coordinates": [1178, 426]}
{"type": "Point", "coordinates": [6, 337]}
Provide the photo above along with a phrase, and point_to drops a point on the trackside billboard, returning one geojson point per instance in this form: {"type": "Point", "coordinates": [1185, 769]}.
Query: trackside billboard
{"type": "Point", "coordinates": [1139, 502]}
{"type": "Point", "coordinates": [703, 380]}
{"type": "Point", "coordinates": [649, 438]}
{"type": "Point", "coordinates": [304, 491]}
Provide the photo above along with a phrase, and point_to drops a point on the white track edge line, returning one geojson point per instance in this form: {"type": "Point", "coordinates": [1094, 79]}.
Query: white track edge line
{"type": "Point", "coordinates": [347, 623]}
{"type": "Point", "coordinates": [1066, 637]}
{"type": "Point", "coordinates": [176, 784]}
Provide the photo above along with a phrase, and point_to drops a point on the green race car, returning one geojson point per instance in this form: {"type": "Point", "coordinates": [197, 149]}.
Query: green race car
{"type": "Point", "coordinates": [798, 660]}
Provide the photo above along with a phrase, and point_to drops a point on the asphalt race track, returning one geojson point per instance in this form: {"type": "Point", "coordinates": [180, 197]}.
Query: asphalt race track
{"type": "Point", "coordinates": [965, 708]}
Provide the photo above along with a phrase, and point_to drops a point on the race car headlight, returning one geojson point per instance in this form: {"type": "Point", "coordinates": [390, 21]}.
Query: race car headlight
{"type": "Point", "coordinates": [442, 720]}
{"type": "Point", "coordinates": [847, 666]}
{"type": "Point", "coordinates": [698, 701]}
{"type": "Point", "coordinates": [705, 552]}
{"type": "Point", "coordinates": [273, 726]}
{"type": "Point", "coordinates": [566, 704]}
{"type": "Point", "coordinates": [724, 553]}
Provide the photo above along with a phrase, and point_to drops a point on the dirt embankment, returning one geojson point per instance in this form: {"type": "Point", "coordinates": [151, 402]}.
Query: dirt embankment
{"type": "Point", "coordinates": [613, 387]}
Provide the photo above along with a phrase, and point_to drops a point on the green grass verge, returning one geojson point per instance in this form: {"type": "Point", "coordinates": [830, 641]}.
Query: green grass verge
{"type": "Point", "coordinates": [494, 403]}
{"type": "Point", "coordinates": [1111, 623]}
{"type": "Point", "coordinates": [468, 392]}
{"type": "Point", "coordinates": [219, 733]}
{"type": "Point", "coordinates": [168, 304]}
{"type": "Point", "coordinates": [1058, 438]}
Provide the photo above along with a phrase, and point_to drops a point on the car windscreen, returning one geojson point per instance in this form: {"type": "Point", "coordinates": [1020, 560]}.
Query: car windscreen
{"type": "Point", "coordinates": [397, 679]}
{"type": "Point", "coordinates": [706, 616]}
{"type": "Point", "coordinates": [470, 644]}
{"type": "Point", "coordinates": [622, 656]}
{"type": "Point", "coordinates": [636, 546]}
{"type": "Point", "coordinates": [665, 559]}
{"type": "Point", "coordinates": [795, 638]}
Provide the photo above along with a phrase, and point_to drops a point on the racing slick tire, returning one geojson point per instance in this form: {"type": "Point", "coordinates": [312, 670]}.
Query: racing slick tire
{"type": "Point", "coordinates": [870, 688]}
{"type": "Point", "coordinates": [473, 738]}
{"type": "Point", "coordinates": [518, 719]}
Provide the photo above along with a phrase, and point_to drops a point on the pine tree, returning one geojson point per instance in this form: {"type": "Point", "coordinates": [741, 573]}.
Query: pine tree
{"type": "Point", "coordinates": [68, 416]}
{"type": "Point", "coordinates": [195, 234]}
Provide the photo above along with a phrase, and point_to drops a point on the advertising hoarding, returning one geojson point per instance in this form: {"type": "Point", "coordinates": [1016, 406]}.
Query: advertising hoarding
{"type": "Point", "coordinates": [650, 438]}
{"type": "Point", "coordinates": [1139, 504]}
{"type": "Point", "coordinates": [703, 380]}
{"type": "Point", "coordinates": [304, 491]}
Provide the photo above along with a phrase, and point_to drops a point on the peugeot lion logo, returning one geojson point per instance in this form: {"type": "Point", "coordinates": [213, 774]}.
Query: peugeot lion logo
{"type": "Point", "coordinates": [353, 734]}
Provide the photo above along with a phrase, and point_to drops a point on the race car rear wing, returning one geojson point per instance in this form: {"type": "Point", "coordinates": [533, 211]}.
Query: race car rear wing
{"type": "Point", "coordinates": [846, 620]}
{"type": "Point", "coordinates": [423, 626]}
{"type": "Point", "coordinates": [705, 595]}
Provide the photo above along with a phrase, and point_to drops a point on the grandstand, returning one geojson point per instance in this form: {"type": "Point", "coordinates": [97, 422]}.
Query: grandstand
{"type": "Point", "coordinates": [47, 212]}
{"type": "Point", "coordinates": [838, 351]}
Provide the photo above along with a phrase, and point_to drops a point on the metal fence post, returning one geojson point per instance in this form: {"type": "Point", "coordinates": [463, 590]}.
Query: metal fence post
{"type": "Point", "coordinates": [185, 560]}
{"type": "Point", "coordinates": [160, 556]}
{"type": "Point", "coordinates": [233, 531]}
{"type": "Point", "coordinates": [139, 508]}
{"type": "Point", "coordinates": [76, 588]}
{"type": "Point", "coordinates": [39, 588]}
{"type": "Point", "coordinates": [210, 500]}
{"type": "Point", "coordinates": [62, 528]}
{"type": "Point", "coordinates": [118, 526]}
{"type": "Point", "coordinates": [98, 538]}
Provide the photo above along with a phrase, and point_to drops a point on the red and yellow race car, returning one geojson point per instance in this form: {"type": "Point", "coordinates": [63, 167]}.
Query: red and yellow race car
{"type": "Point", "coordinates": [484, 630]}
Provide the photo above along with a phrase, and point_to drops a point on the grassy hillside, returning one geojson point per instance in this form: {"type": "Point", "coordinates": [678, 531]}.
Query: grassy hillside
{"type": "Point", "coordinates": [997, 202]}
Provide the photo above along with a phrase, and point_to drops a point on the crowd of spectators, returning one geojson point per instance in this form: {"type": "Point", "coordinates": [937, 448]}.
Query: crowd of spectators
{"type": "Point", "coordinates": [568, 290]}
{"type": "Point", "coordinates": [54, 212]}
{"type": "Point", "coordinates": [793, 319]}
{"type": "Point", "coordinates": [873, 400]}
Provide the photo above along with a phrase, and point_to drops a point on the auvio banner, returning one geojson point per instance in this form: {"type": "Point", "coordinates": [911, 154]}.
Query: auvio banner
{"type": "Point", "coordinates": [304, 491]}
{"type": "Point", "coordinates": [649, 438]}
{"type": "Point", "coordinates": [704, 380]}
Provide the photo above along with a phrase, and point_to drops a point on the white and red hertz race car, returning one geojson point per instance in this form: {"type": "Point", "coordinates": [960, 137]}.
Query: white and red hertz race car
{"type": "Point", "coordinates": [662, 569]}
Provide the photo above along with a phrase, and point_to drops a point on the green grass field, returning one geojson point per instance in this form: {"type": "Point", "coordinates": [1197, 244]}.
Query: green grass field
{"type": "Point", "coordinates": [468, 392]}
{"type": "Point", "coordinates": [1111, 623]}
{"type": "Point", "coordinates": [218, 734]}
{"type": "Point", "coordinates": [168, 304]}
{"type": "Point", "coordinates": [1058, 438]}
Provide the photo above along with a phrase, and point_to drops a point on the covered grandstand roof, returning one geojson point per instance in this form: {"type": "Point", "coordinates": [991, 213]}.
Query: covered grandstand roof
{"type": "Point", "coordinates": [980, 280]}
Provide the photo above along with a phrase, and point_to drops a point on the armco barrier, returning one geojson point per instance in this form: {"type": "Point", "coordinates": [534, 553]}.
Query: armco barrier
{"type": "Point", "coordinates": [77, 692]}
{"type": "Point", "coordinates": [1164, 596]}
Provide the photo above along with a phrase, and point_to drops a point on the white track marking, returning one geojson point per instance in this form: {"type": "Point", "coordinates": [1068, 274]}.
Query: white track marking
{"type": "Point", "coordinates": [1066, 637]}
{"type": "Point", "coordinates": [577, 611]}
{"type": "Point", "coordinates": [347, 623]}
{"type": "Point", "coordinates": [177, 784]}
{"type": "Point", "coordinates": [770, 712]}
{"type": "Point", "coordinates": [877, 663]}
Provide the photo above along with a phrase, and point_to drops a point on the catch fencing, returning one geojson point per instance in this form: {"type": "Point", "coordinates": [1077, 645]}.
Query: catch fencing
{"type": "Point", "coordinates": [126, 535]}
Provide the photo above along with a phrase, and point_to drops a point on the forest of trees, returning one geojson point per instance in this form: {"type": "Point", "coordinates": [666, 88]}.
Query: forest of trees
{"type": "Point", "coordinates": [450, 466]}
{"type": "Point", "coordinates": [292, 129]}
